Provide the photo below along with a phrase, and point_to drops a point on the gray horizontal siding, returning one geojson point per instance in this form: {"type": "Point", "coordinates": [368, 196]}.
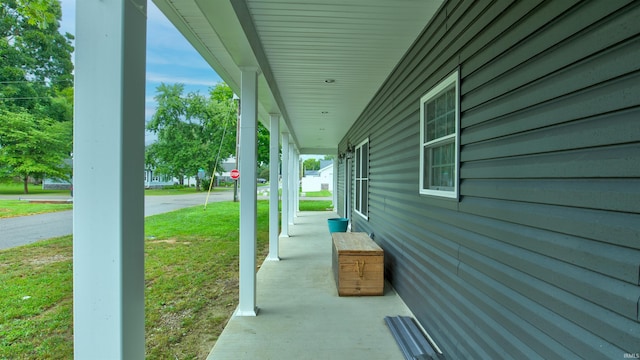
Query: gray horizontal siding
{"type": "Point", "coordinates": [540, 257]}
{"type": "Point", "coordinates": [605, 194]}
{"type": "Point", "coordinates": [608, 227]}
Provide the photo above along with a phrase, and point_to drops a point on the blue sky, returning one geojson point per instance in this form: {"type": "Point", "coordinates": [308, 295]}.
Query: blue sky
{"type": "Point", "coordinates": [170, 58]}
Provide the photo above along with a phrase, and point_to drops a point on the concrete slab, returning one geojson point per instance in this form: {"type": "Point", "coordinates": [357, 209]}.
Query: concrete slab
{"type": "Point", "coordinates": [301, 315]}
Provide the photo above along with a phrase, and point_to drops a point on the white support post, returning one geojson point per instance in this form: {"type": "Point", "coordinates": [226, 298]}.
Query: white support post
{"type": "Point", "coordinates": [248, 191]}
{"type": "Point", "coordinates": [108, 225]}
{"type": "Point", "coordinates": [274, 164]}
{"type": "Point", "coordinates": [292, 183]}
{"type": "Point", "coordinates": [296, 203]}
{"type": "Point", "coordinates": [285, 185]}
{"type": "Point", "coordinates": [335, 185]}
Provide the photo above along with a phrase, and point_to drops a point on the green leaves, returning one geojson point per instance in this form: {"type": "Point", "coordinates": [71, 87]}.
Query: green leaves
{"type": "Point", "coordinates": [35, 59]}
{"type": "Point", "coordinates": [191, 129]}
{"type": "Point", "coordinates": [34, 146]}
{"type": "Point", "coordinates": [194, 129]}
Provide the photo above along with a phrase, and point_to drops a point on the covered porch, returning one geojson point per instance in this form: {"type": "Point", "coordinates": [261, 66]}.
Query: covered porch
{"type": "Point", "coordinates": [301, 315]}
{"type": "Point", "coordinates": [306, 71]}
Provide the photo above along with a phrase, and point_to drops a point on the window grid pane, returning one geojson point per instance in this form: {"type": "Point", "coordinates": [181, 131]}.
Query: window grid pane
{"type": "Point", "coordinates": [439, 115]}
{"type": "Point", "coordinates": [358, 162]}
{"type": "Point", "coordinates": [358, 195]}
{"type": "Point", "coordinates": [365, 160]}
{"type": "Point", "coordinates": [365, 200]}
{"type": "Point", "coordinates": [442, 166]}
{"type": "Point", "coordinates": [361, 190]}
{"type": "Point", "coordinates": [439, 136]}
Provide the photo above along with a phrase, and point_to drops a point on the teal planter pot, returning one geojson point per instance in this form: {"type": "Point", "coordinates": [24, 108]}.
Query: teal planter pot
{"type": "Point", "coordinates": [338, 224]}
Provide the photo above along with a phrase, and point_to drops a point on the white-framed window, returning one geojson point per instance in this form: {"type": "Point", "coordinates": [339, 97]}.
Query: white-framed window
{"type": "Point", "coordinates": [440, 139]}
{"type": "Point", "coordinates": [361, 180]}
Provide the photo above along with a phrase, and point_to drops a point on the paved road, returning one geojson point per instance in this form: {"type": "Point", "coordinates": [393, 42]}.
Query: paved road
{"type": "Point", "coordinates": [28, 229]}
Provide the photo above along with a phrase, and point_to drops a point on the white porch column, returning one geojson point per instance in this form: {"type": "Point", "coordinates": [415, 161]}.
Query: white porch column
{"type": "Point", "coordinates": [108, 224]}
{"type": "Point", "coordinates": [274, 165]}
{"type": "Point", "coordinates": [298, 170]}
{"type": "Point", "coordinates": [248, 191]}
{"type": "Point", "coordinates": [292, 184]}
{"type": "Point", "coordinates": [334, 192]}
{"type": "Point", "coordinates": [285, 184]}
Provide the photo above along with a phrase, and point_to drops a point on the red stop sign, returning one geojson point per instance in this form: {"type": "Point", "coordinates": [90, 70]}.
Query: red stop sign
{"type": "Point", "coordinates": [235, 174]}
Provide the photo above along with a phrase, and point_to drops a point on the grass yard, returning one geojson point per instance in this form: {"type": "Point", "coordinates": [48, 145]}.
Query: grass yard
{"type": "Point", "coordinates": [13, 208]}
{"type": "Point", "coordinates": [18, 189]}
{"type": "Point", "coordinates": [321, 193]}
{"type": "Point", "coordinates": [316, 205]}
{"type": "Point", "coordinates": [191, 275]}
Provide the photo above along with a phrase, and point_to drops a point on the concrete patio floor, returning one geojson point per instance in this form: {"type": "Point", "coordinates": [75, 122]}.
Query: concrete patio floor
{"type": "Point", "coordinates": [301, 315]}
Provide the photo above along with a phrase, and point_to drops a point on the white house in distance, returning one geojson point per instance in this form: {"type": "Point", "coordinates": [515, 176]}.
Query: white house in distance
{"type": "Point", "coordinates": [317, 180]}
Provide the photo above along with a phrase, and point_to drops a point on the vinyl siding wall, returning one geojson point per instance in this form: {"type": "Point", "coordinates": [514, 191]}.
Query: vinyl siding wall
{"type": "Point", "coordinates": [540, 257]}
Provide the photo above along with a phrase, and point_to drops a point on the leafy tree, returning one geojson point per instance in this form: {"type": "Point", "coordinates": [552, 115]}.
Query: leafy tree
{"type": "Point", "coordinates": [190, 130]}
{"type": "Point", "coordinates": [32, 146]}
{"type": "Point", "coordinates": [264, 172]}
{"type": "Point", "coordinates": [196, 131]}
{"type": "Point", "coordinates": [35, 59]}
{"type": "Point", "coordinates": [263, 144]}
{"type": "Point", "coordinates": [311, 164]}
{"type": "Point", "coordinates": [36, 91]}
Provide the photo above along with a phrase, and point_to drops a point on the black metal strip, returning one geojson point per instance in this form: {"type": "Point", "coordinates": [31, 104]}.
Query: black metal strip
{"type": "Point", "coordinates": [410, 338]}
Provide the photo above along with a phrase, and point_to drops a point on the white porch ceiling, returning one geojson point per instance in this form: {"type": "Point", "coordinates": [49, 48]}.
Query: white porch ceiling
{"type": "Point", "coordinates": [298, 44]}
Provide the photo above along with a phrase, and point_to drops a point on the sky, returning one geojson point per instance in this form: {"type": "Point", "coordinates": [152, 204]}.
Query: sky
{"type": "Point", "coordinates": [170, 58]}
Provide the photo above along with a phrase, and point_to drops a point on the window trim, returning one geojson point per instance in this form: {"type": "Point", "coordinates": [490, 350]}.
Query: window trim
{"type": "Point", "coordinates": [358, 180]}
{"type": "Point", "coordinates": [453, 78]}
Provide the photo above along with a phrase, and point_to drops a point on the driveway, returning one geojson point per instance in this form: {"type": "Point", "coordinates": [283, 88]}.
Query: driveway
{"type": "Point", "coordinates": [28, 229]}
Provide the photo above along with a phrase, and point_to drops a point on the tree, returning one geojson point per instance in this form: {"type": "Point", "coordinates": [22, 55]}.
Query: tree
{"type": "Point", "coordinates": [263, 144]}
{"type": "Point", "coordinates": [194, 131]}
{"type": "Point", "coordinates": [264, 172]}
{"type": "Point", "coordinates": [35, 67]}
{"type": "Point", "coordinates": [36, 91]}
{"type": "Point", "coordinates": [32, 146]}
{"type": "Point", "coordinates": [311, 164]}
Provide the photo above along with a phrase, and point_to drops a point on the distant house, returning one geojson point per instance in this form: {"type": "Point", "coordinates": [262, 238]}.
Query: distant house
{"type": "Point", "coordinates": [153, 180]}
{"type": "Point", "coordinates": [316, 180]}
{"type": "Point", "coordinates": [57, 184]}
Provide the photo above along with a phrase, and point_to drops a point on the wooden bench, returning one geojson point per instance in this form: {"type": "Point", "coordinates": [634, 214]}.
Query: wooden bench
{"type": "Point", "coordinates": [358, 264]}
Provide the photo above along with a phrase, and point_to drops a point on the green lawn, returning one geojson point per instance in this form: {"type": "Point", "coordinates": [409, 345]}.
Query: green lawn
{"type": "Point", "coordinates": [191, 271]}
{"type": "Point", "coordinates": [316, 205]}
{"type": "Point", "coordinates": [322, 193]}
{"type": "Point", "coordinates": [12, 208]}
{"type": "Point", "coordinates": [18, 189]}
